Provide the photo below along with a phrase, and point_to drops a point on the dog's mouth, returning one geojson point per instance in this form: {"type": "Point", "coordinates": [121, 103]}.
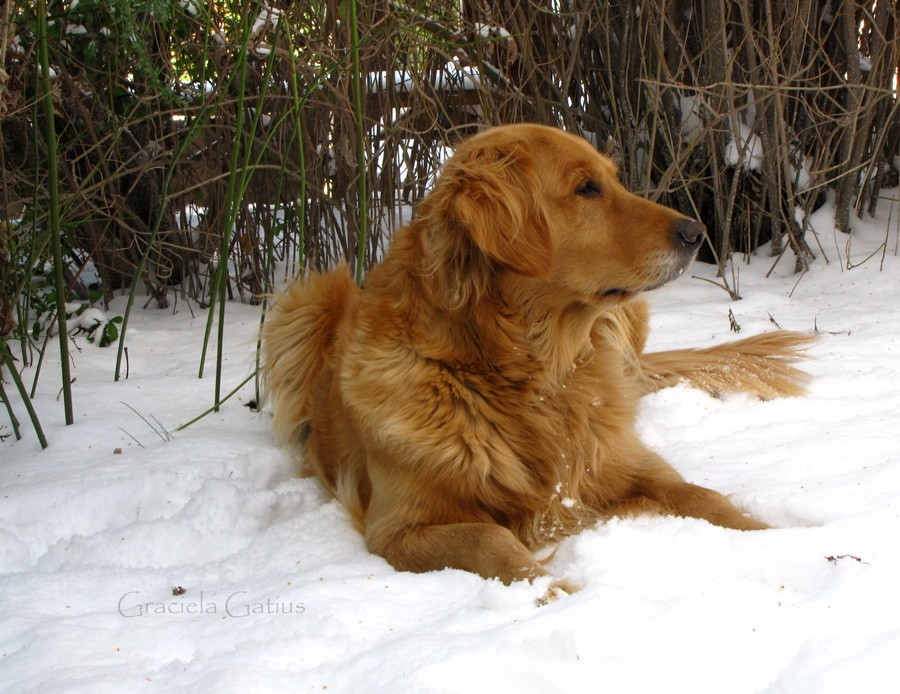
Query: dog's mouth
{"type": "Point", "coordinates": [621, 292]}
{"type": "Point", "coordinates": [616, 292]}
{"type": "Point", "coordinates": [626, 293]}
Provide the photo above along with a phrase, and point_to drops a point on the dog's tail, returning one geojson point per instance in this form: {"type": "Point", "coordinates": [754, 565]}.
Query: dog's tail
{"type": "Point", "coordinates": [297, 339]}
{"type": "Point", "coordinates": [761, 365]}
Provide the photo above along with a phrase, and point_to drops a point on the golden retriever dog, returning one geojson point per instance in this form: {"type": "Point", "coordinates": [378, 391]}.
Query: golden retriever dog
{"type": "Point", "coordinates": [476, 400]}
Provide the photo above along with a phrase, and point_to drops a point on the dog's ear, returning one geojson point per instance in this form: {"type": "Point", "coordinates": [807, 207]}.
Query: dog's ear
{"type": "Point", "coordinates": [485, 210]}
{"type": "Point", "coordinates": [494, 194]}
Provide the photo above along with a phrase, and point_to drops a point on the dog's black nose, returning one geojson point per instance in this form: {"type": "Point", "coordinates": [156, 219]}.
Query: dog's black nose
{"type": "Point", "coordinates": [688, 233]}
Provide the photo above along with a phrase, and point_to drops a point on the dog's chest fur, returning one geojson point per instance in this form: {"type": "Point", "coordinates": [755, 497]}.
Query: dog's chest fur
{"type": "Point", "coordinates": [488, 417]}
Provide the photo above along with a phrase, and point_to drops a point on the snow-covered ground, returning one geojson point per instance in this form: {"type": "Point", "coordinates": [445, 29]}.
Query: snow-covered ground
{"type": "Point", "coordinates": [279, 593]}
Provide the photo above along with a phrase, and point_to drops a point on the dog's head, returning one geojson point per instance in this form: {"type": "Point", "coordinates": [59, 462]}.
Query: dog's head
{"type": "Point", "coordinates": [542, 203]}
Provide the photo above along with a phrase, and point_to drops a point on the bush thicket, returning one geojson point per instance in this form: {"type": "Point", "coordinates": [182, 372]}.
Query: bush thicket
{"type": "Point", "coordinates": [199, 143]}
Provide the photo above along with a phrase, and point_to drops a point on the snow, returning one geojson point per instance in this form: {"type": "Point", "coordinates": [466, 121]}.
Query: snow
{"type": "Point", "coordinates": [744, 149]}
{"type": "Point", "coordinates": [266, 18]}
{"type": "Point", "coordinates": [92, 318]}
{"type": "Point", "coordinates": [189, 6]}
{"type": "Point", "coordinates": [451, 76]}
{"type": "Point", "coordinates": [691, 122]}
{"type": "Point", "coordinates": [487, 31]}
{"type": "Point", "coordinates": [279, 593]}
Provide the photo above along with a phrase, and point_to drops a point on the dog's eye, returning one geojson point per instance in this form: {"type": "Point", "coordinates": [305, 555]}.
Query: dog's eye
{"type": "Point", "coordinates": [588, 189]}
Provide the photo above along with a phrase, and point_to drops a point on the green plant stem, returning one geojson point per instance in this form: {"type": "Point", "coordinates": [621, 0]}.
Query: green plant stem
{"type": "Point", "coordinates": [238, 186]}
{"type": "Point", "coordinates": [218, 289]}
{"type": "Point", "coordinates": [301, 158]}
{"type": "Point", "coordinates": [215, 408]}
{"type": "Point", "coordinates": [362, 193]}
{"type": "Point", "coordinates": [196, 125]}
{"type": "Point", "coordinates": [55, 230]}
{"type": "Point", "coordinates": [40, 363]}
{"type": "Point", "coordinates": [296, 110]}
{"type": "Point", "coordinates": [9, 410]}
{"type": "Point", "coordinates": [6, 358]}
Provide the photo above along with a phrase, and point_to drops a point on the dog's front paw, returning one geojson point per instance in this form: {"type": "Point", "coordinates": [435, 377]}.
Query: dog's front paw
{"type": "Point", "coordinates": [559, 588]}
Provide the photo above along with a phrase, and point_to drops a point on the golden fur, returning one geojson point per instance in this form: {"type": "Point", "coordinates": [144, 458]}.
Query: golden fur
{"type": "Point", "coordinates": [477, 398]}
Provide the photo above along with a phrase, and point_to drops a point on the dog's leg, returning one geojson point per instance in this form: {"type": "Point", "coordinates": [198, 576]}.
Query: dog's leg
{"type": "Point", "coordinates": [694, 501]}
{"type": "Point", "coordinates": [486, 549]}
{"type": "Point", "coordinates": [658, 488]}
